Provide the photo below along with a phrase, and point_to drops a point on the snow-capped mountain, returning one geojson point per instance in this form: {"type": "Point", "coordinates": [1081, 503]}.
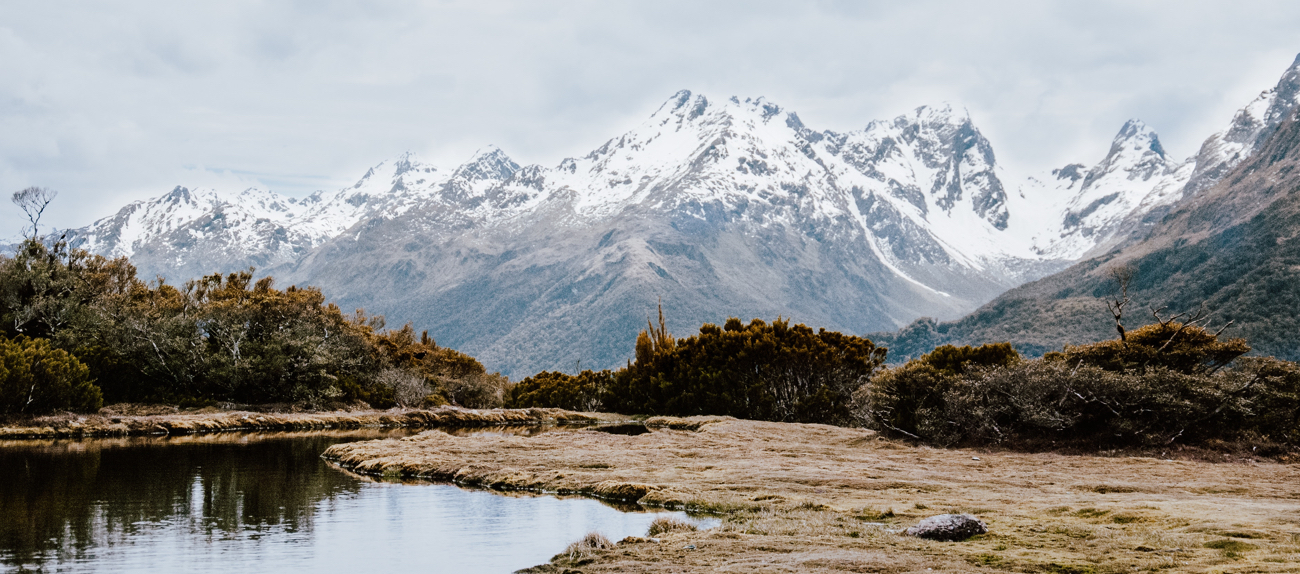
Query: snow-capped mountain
{"type": "Point", "coordinates": [1249, 128]}
{"type": "Point", "coordinates": [1096, 209]}
{"type": "Point", "coordinates": [1088, 205]}
{"type": "Point", "coordinates": [718, 207]}
{"type": "Point", "coordinates": [189, 232]}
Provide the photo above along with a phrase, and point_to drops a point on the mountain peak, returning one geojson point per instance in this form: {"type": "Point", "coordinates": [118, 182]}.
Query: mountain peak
{"type": "Point", "coordinates": [683, 104]}
{"type": "Point", "coordinates": [488, 162]}
{"type": "Point", "coordinates": [943, 113]}
{"type": "Point", "coordinates": [406, 161]}
{"type": "Point", "coordinates": [1137, 136]}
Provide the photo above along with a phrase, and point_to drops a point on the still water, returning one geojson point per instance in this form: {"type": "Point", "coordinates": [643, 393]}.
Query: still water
{"type": "Point", "coordinates": [265, 502]}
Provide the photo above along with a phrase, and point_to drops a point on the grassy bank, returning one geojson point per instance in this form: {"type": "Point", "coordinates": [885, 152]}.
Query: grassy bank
{"type": "Point", "coordinates": [152, 422]}
{"type": "Point", "coordinates": [816, 498]}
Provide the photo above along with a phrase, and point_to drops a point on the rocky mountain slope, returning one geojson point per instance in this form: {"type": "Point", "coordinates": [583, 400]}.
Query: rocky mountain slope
{"type": "Point", "coordinates": [716, 207]}
{"type": "Point", "coordinates": [1231, 247]}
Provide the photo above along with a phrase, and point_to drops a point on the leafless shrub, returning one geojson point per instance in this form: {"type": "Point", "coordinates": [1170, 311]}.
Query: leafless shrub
{"type": "Point", "coordinates": [477, 390]}
{"type": "Point", "coordinates": [409, 388]}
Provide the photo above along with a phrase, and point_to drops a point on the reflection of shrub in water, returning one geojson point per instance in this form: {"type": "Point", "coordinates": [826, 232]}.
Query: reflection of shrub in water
{"type": "Point", "coordinates": [248, 483]}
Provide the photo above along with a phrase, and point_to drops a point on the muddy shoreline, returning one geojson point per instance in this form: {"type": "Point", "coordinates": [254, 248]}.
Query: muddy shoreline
{"type": "Point", "coordinates": [109, 424]}
{"type": "Point", "coordinates": [816, 498]}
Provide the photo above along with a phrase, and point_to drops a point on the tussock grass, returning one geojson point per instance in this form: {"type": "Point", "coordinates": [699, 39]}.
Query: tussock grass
{"type": "Point", "coordinates": [585, 549]}
{"type": "Point", "coordinates": [669, 524]}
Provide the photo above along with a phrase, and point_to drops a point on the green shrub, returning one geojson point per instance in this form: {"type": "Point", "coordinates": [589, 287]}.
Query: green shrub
{"type": "Point", "coordinates": [552, 389]}
{"type": "Point", "coordinates": [951, 360]}
{"type": "Point", "coordinates": [762, 371]}
{"type": "Point", "coordinates": [1040, 401]}
{"type": "Point", "coordinates": [221, 338]}
{"type": "Point", "coordinates": [911, 399]}
{"type": "Point", "coordinates": [1169, 345]}
{"type": "Point", "coordinates": [37, 379]}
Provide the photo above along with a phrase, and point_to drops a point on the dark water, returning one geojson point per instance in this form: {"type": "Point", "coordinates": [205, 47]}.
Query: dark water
{"type": "Point", "coordinates": [264, 502]}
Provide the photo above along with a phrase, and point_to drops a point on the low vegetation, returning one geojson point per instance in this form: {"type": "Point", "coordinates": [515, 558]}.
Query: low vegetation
{"type": "Point", "coordinates": [586, 549]}
{"type": "Point", "coordinates": [775, 372]}
{"type": "Point", "coordinates": [78, 329]}
{"type": "Point", "coordinates": [1166, 383]}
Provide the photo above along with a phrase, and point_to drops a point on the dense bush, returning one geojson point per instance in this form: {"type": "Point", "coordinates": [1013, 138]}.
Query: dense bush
{"type": "Point", "coordinates": [775, 372]}
{"type": "Point", "coordinates": [1168, 345]}
{"type": "Point", "coordinates": [1042, 401]}
{"type": "Point", "coordinates": [38, 379]}
{"type": "Point", "coordinates": [908, 399]}
{"type": "Point", "coordinates": [224, 338]}
{"type": "Point", "coordinates": [586, 391]}
{"type": "Point", "coordinates": [445, 375]}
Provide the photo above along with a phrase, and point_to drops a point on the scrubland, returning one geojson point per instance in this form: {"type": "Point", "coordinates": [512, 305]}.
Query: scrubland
{"type": "Point", "coordinates": [817, 498]}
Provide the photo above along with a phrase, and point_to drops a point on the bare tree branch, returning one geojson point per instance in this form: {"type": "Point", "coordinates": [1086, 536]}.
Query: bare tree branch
{"type": "Point", "coordinates": [1122, 277]}
{"type": "Point", "coordinates": [33, 201]}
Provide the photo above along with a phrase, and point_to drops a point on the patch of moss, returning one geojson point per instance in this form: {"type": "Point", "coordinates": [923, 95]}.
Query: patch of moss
{"type": "Point", "coordinates": [986, 559]}
{"type": "Point", "coordinates": [872, 515]}
{"type": "Point", "coordinates": [1229, 545]}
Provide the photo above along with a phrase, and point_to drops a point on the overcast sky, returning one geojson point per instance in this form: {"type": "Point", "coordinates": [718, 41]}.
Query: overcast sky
{"type": "Point", "coordinates": [109, 102]}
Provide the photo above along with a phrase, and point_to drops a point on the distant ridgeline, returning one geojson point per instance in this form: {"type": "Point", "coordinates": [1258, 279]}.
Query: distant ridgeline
{"type": "Point", "coordinates": [80, 329]}
{"type": "Point", "coordinates": [1233, 248]}
{"type": "Point", "coordinates": [718, 207]}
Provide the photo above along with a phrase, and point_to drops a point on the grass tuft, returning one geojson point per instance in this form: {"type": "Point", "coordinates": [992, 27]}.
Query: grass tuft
{"type": "Point", "coordinates": [874, 515]}
{"type": "Point", "coordinates": [1229, 545]}
{"type": "Point", "coordinates": [669, 524]}
{"type": "Point", "coordinates": [587, 548]}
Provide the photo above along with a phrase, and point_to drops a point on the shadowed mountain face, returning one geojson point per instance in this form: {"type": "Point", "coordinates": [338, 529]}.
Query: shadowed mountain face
{"type": "Point", "coordinates": [1234, 247]}
{"type": "Point", "coordinates": [717, 208]}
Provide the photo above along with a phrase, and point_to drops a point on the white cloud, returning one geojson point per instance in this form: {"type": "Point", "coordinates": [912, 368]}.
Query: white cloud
{"type": "Point", "coordinates": [112, 102]}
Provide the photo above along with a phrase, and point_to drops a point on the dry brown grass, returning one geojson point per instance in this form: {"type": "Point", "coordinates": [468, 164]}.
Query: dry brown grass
{"type": "Point", "coordinates": [161, 420]}
{"type": "Point", "coordinates": [667, 524]}
{"type": "Point", "coordinates": [815, 498]}
{"type": "Point", "coordinates": [585, 550]}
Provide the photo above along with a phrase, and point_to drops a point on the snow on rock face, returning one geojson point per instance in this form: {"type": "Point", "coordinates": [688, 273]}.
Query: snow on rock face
{"type": "Point", "coordinates": [187, 232]}
{"type": "Point", "coordinates": [1250, 127]}
{"type": "Point", "coordinates": [1088, 210]}
{"type": "Point", "coordinates": [1135, 176]}
{"type": "Point", "coordinates": [752, 161]}
{"type": "Point", "coordinates": [922, 193]}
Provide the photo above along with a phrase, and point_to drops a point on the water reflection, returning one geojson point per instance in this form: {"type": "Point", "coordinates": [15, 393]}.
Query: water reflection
{"type": "Point", "coordinates": [262, 501]}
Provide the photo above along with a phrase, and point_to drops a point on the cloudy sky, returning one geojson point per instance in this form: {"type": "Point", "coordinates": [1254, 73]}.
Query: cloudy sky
{"type": "Point", "coordinates": [109, 102]}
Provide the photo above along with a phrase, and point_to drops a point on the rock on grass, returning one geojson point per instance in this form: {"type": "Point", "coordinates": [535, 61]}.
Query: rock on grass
{"type": "Point", "coordinates": [949, 527]}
